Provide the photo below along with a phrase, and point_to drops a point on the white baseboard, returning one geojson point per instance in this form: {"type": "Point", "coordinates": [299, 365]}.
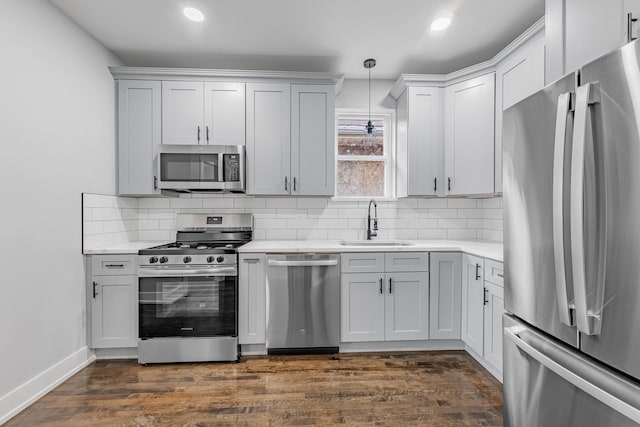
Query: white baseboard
{"type": "Point", "coordinates": [116, 353]}
{"type": "Point", "coordinates": [486, 365]}
{"type": "Point", "coordinates": [428, 345]}
{"type": "Point", "coordinates": [24, 395]}
{"type": "Point", "coordinates": [253, 349]}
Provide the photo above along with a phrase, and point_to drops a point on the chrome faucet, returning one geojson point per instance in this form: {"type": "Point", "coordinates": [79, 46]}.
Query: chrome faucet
{"type": "Point", "coordinates": [372, 233]}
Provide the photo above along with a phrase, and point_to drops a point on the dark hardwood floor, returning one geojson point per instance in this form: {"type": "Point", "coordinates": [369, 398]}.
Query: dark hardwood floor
{"type": "Point", "coordinates": [446, 388]}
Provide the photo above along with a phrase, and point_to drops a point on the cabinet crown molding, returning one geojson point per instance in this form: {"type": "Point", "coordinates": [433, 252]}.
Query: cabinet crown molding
{"type": "Point", "coordinates": [201, 74]}
{"type": "Point", "coordinates": [442, 80]}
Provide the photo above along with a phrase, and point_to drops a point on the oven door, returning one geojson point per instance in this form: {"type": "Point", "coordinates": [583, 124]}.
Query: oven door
{"type": "Point", "coordinates": [186, 306]}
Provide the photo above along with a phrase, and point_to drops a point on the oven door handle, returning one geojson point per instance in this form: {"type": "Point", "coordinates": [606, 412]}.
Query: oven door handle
{"type": "Point", "coordinates": [190, 272]}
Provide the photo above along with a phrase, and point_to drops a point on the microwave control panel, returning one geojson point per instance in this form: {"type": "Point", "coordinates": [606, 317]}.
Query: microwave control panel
{"type": "Point", "coordinates": [231, 167]}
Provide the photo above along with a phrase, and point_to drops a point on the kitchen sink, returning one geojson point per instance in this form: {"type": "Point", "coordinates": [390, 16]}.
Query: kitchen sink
{"type": "Point", "coordinates": [375, 243]}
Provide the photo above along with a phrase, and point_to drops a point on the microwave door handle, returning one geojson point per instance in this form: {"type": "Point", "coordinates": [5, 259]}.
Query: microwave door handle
{"type": "Point", "coordinates": [588, 322]}
{"type": "Point", "coordinates": [220, 167]}
{"type": "Point", "coordinates": [560, 250]}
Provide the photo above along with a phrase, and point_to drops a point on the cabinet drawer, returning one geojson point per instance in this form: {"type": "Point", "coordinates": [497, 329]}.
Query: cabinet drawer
{"type": "Point", "coordinates": [494, 272]}
{"type": "Point", "coordinates": [112, 265]}
{"type": "Point", "coordinates": [366, 262]}
{"type": "Point", "coordinates": [406, 261]}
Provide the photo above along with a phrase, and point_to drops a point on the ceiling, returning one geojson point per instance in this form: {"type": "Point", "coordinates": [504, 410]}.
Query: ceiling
{"type": "Point", "coordinates": [306, 35]}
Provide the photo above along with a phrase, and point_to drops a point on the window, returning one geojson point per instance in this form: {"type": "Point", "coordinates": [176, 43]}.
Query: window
{"type": "Point", "coordinates": [364, 162]}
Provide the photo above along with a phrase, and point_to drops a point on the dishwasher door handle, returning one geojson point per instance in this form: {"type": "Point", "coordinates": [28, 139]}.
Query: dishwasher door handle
{"type": "Point", "coordinates": [316, 263]}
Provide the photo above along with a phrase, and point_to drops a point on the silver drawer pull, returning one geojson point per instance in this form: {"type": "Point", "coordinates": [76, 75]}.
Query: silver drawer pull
{"type": "Point", "coordinates": [114, 265]}
{"type": "Point", "coordinates": [500, 275]}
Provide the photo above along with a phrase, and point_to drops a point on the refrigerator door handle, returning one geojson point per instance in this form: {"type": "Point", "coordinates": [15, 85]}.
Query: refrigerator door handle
{"type": "Point", "coordinates": [588, 322]}
{"type": "Point", "coordinates": [600, 385]}
{"type": "Point", "coordinates": [560, 251]}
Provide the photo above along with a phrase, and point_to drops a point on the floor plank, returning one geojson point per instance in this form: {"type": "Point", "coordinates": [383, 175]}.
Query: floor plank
{"type": "Point", "coordinates": [446, 388]}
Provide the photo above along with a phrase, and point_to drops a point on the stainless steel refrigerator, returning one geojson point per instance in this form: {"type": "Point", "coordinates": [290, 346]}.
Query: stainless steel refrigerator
{"type": "Point", "coordinates": [572, 249]}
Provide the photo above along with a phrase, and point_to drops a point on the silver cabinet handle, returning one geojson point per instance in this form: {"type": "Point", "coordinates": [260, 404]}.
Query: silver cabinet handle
{"type": "Point", "coordinates": [95, 292]}
{"type": "Point", "coordinates": [485, 298]}
{"type": "Point", "coordinates": [435, 184]}
{"type": "Point", "coordinates": [500, 275]}
{"type": "Point", "coordinates": [286, 186]}
{"type": "Point", "coordinates": [588, 322]}
{"type": "Point", "coordinates": [155, 182]}
{"type": "Point", "coordinates": [198, 134]}
{"type": "Point", "coordinates": [318, 263]}
{"type": "Point", "coordinates": [477, 271]}
{"type": "Point", "coordinates": [558, 203]}
{"type": "Point", "coordinates": [381, 291]}
{"type": "Point", "coordinates": [449, 183]}
{"type": "Point", "coordinates": [114, 265]}
{"type": "Point", "coordinates": [207, 132]}
{"type": "Point", "coordinates": [390, 285]}
{"type": "Point", "coordinates": [600, 386]}
{"type": "Point", "coordinates": [630, 21]}
{"type": "Point", "coordinates": [294, 183]}
{"type": "Point", "coordinates": [251, 260]}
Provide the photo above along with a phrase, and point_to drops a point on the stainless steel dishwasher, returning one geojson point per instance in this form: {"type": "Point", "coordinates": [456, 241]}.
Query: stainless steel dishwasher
{"type": "Point", "coordinates": [303, 303]}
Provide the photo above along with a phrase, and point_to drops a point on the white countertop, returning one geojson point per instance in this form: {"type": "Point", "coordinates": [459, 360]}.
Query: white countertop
{"type": "Point", "coordinates": [485, 249]}
{"type": "Point", "coordinates": [129, 248]}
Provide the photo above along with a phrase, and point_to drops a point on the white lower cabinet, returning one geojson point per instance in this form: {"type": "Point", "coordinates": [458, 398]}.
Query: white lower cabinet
{"type": "Point", "coordinates": [113, 295]}
{"type": "Point", "coordinates": [445, 295]}
{"type": "Point", "coordinates": [252, 300]}
{"type": "Point", "coordinates": [384, 305]}
{"type": "Point", "coordinates": [472, 302]}
{"type": "Point", "coordinates": [482, 309]}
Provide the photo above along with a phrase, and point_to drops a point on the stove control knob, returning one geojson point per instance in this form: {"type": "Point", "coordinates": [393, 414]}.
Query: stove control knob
{"type": "Point", "coordinates": [210, 259]}
{"type": "Point", "coordinates": [220, 259]}
{"type": "Point", "coordinates": [163, 259]}
{"type": "Point", "coordinates": [186, 259]}
{"type": "Point", "coordinates": [153, 259]}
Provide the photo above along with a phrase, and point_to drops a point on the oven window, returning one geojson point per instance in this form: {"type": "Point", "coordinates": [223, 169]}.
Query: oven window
{"type": "Point", "coordinates": [187, 306]}
{"type": "Point", "coordinates": [188, 167]}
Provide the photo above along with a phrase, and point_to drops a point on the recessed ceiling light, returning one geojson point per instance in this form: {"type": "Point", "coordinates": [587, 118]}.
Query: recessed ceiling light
{"type": "Point", "coordinates": [440, 24]}
{"type": "Point", "coordinates": [193, 14]}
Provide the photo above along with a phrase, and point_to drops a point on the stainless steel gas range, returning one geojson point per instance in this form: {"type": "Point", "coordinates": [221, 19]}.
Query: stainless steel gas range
{"type": "Point", "coordinates": [188, 291]}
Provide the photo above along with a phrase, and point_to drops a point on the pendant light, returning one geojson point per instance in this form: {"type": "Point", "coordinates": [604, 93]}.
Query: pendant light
{"type": "Point", "coordinates": [369, 64]}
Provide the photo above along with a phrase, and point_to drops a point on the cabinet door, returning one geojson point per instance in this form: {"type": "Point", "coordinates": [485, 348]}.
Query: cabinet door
{"type": "Point", "coordinates": [469, 136]}
{"type": "Point", "coordinates": [519, 75]}
{"type": "Point", "coordinates": [473, 302]}
{"type": "Point", "coordinates": [493, 311]}
{"type": "Point", "coordinates": [313, 140]}
{"type": "Point", "coordinates": [268, 139]}
{"type": "Point", "coordinates": [252, 302]}
{"type": "Point", "coordinates": [182, 113]}
{"type": "Point", "coordinates": [362, 307]}
{"type": "Point", "coordinates": [579, 31]}
{"type": "Point", "coordinates": [419, 142]}
{"type": "Point", "coordinates": [445, 295]}
{"type": "Point", "coordinates": [407, 306]}
{"type": "Point", "coordinates": [114, 311]}
{"type": "Point", "coordinates": [224, 113]}
{"type": "Point", "coordinates": [139, 127]}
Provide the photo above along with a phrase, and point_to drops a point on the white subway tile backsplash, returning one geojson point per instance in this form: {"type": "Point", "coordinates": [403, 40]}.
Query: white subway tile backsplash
{"type": "Point", "coordinates": [111, 219]}
{"type": "Point", "coordinates": [281, 235]}
{"type": "Point", "coordinates": [461, 203]}
{"type": "Point", "coordinates": [281, 202]}
{"type": "Point", "coordinates": [218, 203]}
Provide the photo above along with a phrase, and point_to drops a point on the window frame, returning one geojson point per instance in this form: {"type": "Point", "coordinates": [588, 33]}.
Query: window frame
{"type": "Point", "coordinates": [389, 157]}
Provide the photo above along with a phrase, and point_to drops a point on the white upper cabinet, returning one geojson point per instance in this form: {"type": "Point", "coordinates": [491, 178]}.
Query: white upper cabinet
{"type": "Point", "coordinates": [312, 140]}
{"type": "Point", "coordinates": [419, 141]}
{"type": "Point", "coordinates": [579, 31]}
{"type": "Point", "coordinates": [203, 113]}
{"type": "Point", "coordinates": [518, 75]}
{"type": "Point", "coordinates": [182, 112]}
{"type": "Point", "coordinates": [224, 113]}
{"type": "Point", "coordinates": [268, 138]}
{"type": "Point", "coordinates": [139, 128]}
{"type": "Point", "coordinates": [469, 136]}
{"type": "Point", "coordinates": [290, 139]}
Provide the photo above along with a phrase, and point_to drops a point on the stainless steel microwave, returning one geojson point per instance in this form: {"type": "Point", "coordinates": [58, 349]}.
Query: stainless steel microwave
{"type": "Point", "coordinates": [201, 168]}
